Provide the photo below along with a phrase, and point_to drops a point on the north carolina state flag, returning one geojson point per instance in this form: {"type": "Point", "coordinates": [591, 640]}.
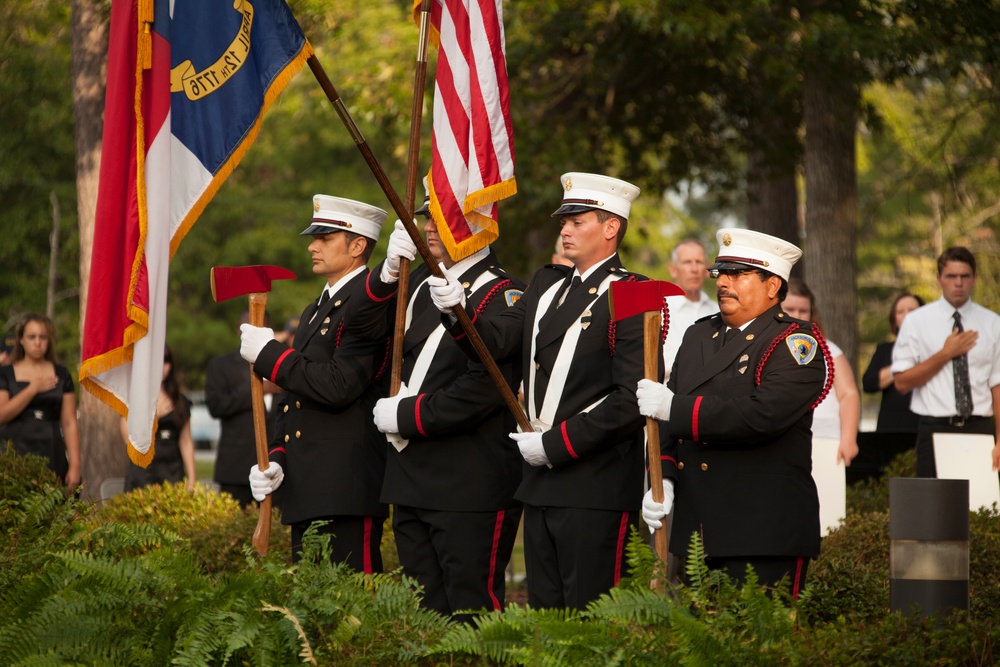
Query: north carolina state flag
{"type": "Point", "coordinates": [187, 90]}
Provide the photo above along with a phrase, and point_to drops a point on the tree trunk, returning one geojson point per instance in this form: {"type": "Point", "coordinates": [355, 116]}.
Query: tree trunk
{"type": "Point", "coordinates": [101, 450]}
{"type": "Point", "coordinates": [772, 201]}
{"type": "Point", "coordinates": [830, 112]}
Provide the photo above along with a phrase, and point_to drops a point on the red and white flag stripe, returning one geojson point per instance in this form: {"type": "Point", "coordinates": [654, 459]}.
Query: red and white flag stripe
{"type": "Point", "coordinates": [472, 164]}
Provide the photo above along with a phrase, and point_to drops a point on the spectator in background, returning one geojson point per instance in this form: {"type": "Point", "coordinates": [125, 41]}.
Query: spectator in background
{"type": "Point", "coordinates": [287, 335]}
{"type": "Point", "coordinates": [38, 402]}
{"type": "Point", "coordinates": [688, 271]}
{"type": "Point", "coordinates": [227, 396]}
{"type": "Point", "coordinates": [948, 354]}
{"type": "Point", "coordinates": [894, 414]}
{"type": "Point", "coordinates": [173, 447]}
{"type": "Point", "coordinates": [837, 417]}
{"type": "Point", "coordinates": [559, 254]}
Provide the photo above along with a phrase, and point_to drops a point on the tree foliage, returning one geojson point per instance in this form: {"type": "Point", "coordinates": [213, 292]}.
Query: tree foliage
{"type": "Point", "coordinates": [672, 95]}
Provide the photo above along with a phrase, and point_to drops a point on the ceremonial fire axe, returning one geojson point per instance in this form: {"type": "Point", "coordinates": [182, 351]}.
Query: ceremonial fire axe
{"type": "Point", "coordinates": [233, 281]}
{"type": "Point", "coordinates": [632, 298]}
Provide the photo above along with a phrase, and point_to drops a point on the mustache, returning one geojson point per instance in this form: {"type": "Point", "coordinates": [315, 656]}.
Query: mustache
{"type": "Point", "coordinates": [721, 293]}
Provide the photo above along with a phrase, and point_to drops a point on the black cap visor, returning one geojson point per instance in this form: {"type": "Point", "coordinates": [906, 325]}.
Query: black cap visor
{"type": "Point", "coordinates": [316, 229]}
{"type": "Point", "coordinates": [572, 209]}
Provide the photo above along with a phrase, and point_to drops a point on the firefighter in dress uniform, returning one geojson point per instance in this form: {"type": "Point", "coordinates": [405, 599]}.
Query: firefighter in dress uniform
{"type": "Point", "coordinates": [583, 471]}
{"type": "Point", "coordinates": [452, 471]}
{"type": "Point", "coordinates": [736, 437]}
{"type": "Point", "coordinates": [326, 449]}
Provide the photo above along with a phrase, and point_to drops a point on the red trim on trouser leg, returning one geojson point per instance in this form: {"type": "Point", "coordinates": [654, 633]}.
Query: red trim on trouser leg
{"type": "Point", "coordinates": [694, 418]}
{"type": "Point", "coordinates": [797, 582]}
{"type": "Point", "coordinates": [622, 532]}
{"type": "Point", "coordinates": [497, 529]}
{"type": "Point", "coordinates": [368, 545]}
{"type": "Point", "coordinates": [277, 364]}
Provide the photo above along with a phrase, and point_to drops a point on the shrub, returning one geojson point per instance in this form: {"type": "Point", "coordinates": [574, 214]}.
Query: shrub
{"type": "Point", "coordinates": [851, 574]}
{"type": "Point", "coordinates": [214, 526]}
{"type": "Point", "coordinates": [872, 495]}
{"type": "Point", "coordinates": [159, 607]}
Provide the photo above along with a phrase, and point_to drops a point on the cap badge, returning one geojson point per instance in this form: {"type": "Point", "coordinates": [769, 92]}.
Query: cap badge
{"type": "Point", "coordinates": [727, 239]}
{"type": "Point", "coordinates": [569, 184]}
{"type": "Point", "coordinates": [315, 205]}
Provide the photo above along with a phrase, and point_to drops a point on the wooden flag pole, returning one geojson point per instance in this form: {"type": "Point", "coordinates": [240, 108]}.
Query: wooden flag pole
{"type": "Point", "coordinates": [412, 165]}
{"type": "Point", "coordinates": [404, 215]}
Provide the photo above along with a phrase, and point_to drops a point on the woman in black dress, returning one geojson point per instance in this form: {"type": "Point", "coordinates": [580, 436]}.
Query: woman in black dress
{"type": "Point", "coordinates": [894, 414]}
{"type": "Point", "coordinates": [38, 402]}
{"type": "Point", "coordinates": [173, 447]}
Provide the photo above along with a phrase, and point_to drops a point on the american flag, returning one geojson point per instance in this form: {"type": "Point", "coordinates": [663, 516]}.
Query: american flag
{"type": "Point", "coordinates": [472, 163]}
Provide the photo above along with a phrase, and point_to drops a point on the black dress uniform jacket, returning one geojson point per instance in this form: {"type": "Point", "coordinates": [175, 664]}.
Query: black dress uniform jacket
{"type": "Point", "coordinates": [227, 396]}
{"type": "Point", "coordinates": [332, 455]}
{"type": "Point", "coordinates": [459, 457]}
{"type": "Point", "coordinates": [739, 440]}
{"type": "Point", "coordinates": [597, 454]}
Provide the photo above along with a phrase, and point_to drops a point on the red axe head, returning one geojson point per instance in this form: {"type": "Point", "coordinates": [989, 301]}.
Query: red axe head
{"type": "Point", "coordinates": [632, 298]}
{"type": "Point", "coordinates": [233, 281]}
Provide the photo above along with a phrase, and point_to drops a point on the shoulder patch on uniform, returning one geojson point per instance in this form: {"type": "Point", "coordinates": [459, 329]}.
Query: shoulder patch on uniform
{"type": "Point", "coordinates": [803, 347]}
{"type": "Point", "coordinates": [512, 296]}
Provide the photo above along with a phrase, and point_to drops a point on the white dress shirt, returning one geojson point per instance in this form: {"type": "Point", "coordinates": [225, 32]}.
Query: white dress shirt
{"type": "Point", "coordinates": [683, 313]}
{"type": "Point", "coordinates": [923, 334]}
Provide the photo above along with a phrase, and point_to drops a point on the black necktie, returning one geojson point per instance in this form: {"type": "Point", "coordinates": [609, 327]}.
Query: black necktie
{"type": "Point", "coordinates": [730, 335]}
{"type": "Point", "coordinates": [576, 282]}
{"type": "Point", "coordinates": [323, 299]}
{"type": "Point", "coordinates": [963, 388]}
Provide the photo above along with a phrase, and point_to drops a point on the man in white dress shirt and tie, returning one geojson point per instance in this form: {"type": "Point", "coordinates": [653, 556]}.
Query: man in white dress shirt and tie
{"type": "Point", "coordinates": [948, 354]}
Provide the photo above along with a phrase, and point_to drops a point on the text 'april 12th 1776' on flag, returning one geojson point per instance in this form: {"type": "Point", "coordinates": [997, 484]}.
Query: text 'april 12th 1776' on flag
{"type": "Point", "coordinates": [188, 84]}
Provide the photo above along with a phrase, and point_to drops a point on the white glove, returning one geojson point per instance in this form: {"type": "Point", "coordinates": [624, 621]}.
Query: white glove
{"type": "Point", "coordinates": [652, 511]}
{"type": "Point", "coordinates": [654, 399]}
{"type": "Point", "coordinates": [253, 339]}
{"type": "Point", "coordinates": [265, 482]}
{"type": "Point", "coordinates": [447, 292]}
{"type": "Point", "coordinates": [386, 411]}
{"type": "Point", "coordinates": [531, 448]}
{"type": "Point", "coordinates": [400, 245]}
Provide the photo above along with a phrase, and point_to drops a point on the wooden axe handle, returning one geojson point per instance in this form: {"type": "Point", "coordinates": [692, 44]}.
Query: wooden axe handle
{"type": "Point", "coordinates": [262, 533]}
{"type": "Point", "coordinates": [651, 361]}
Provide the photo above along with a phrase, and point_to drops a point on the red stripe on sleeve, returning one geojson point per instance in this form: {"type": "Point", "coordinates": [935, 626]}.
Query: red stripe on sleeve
{"type": "Point", "coordinates": [372, 296]}
{"type": "Point", "coordinates": [694, 418]}
{"type": "Point", "coordinates": [277, 365]}
{"type": "Point", "coordinates": [416, 415]}
{"type": "Point", "coordinates": [569, 447]}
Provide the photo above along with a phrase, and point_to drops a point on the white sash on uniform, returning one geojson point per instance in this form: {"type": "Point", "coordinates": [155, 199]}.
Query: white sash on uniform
{"type": "Point", "coordinates": [543, 419]}
{"type": "Point", "coordinates": [427, 352]}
